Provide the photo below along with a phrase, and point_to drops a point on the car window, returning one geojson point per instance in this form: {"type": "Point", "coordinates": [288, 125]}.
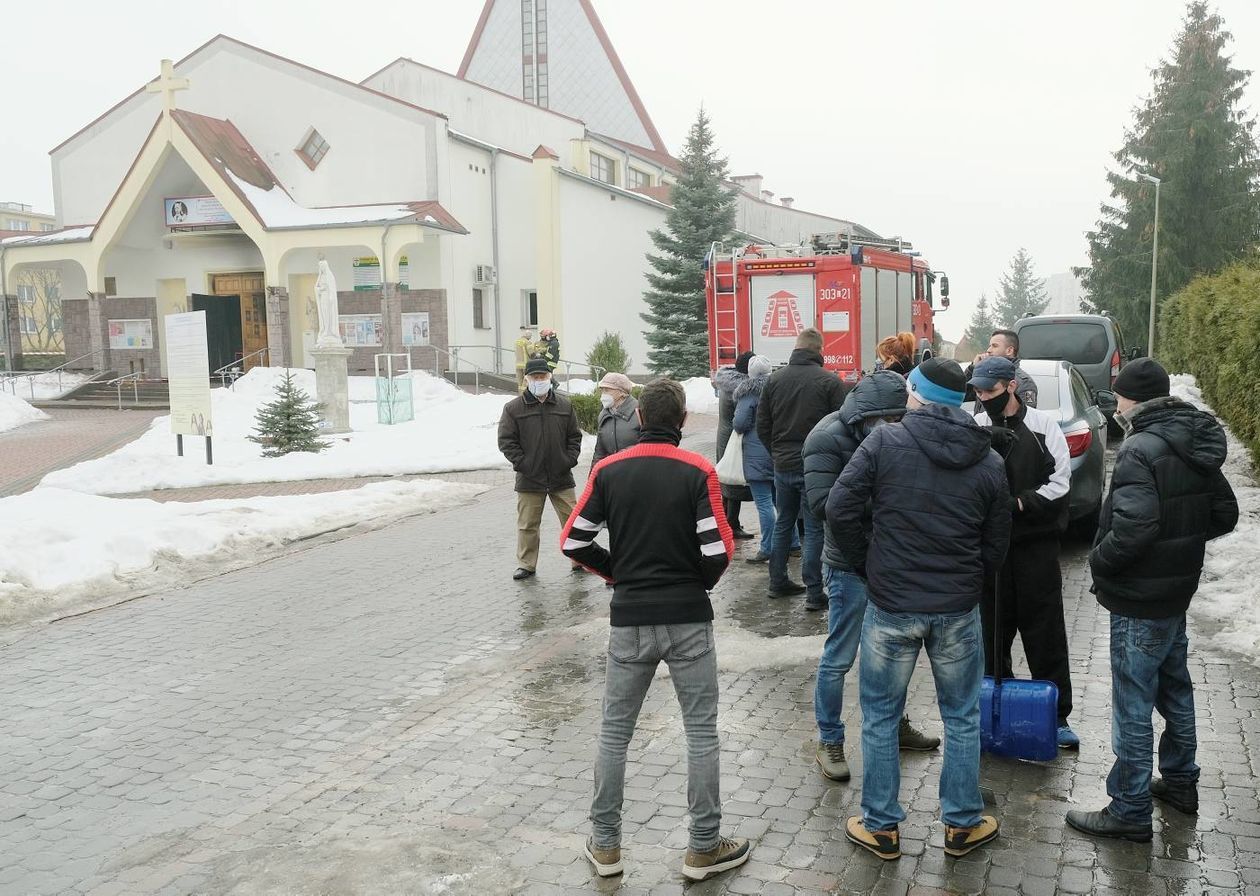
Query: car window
{"type": "Point", "coordinates": [1080, 391]}
{"type": "Point", "coordinates": [1047, 392]}
{"type": "Point", "coordinates": [1080, 343]}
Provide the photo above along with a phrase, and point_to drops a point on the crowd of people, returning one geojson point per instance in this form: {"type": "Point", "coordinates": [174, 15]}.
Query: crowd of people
{"type": "Point", "coordinates": [922, 527]}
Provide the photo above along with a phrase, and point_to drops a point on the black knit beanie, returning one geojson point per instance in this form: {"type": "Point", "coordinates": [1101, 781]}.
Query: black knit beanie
{"type": "Point", "coordinates": [741, 363]}
{"type": "Point", "coordinates": [1142, 380]}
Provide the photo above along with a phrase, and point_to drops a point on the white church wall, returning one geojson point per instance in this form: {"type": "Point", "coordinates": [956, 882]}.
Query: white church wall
{"type": "Point", "coordinates": [603, 269]}
{"type": "Point", "coordinates": [86, 172]}
{"type": "Point", "coordinates": [504, 121]}
{"type": "Point", "coordinates": [136, 271]}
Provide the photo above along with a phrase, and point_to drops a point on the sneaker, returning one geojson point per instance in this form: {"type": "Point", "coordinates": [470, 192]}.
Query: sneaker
{"type": "Point", "coordinates": [1067, 738]}
{"type": "Point", "coordinates": [911, 738]}
{"type": "Point", "coordinates": [758, 557]}
{"type": "Point", "coordinates": [885, 844]}
{"type": "Point", "coordinates": [787, 589]}
{"type": "Point", "coordinates": [726, 855]}
{"type": "Point", "coordinates": [830, 758]}
{"type": "Point", "coordinates": [815, 601]}
{"type": "Point", "coordinates": [607, 862]}
{"type": "Point", "coordinates": [960, 841]}
{"type": "Point", "coordinates": [1182, 797]}
{"type": "Point", "coordinates": [522, 573]}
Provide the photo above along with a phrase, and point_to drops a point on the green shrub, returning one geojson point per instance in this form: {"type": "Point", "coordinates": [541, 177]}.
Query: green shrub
{"type": "Point", "coordinates": [1211, 329]}
{"type": "Point", "coordinates": [609, 352]}
{"type": "Point", "coordinates": [587, 408]}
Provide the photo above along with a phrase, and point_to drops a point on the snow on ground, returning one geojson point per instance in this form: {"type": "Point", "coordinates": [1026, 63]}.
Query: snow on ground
{"type": "Point", "coordinates": [452, 431]}
{"type": "Point", "coordinates": [15, 412]}
{"type": "Point", "coordinates": [701, 399]}
{"type": "Point", "coordinates": [1230, 591]}
{"type": "Point", "coordinates": [39, 386]}
{"type": "Point", "coordinates": [63, 549]}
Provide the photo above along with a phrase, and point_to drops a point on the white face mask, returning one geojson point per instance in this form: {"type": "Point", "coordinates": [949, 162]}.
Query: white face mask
{"type": "Point", "coordinates": [607, 400]}
{"type": "Point", "coordinates": [540, 387]}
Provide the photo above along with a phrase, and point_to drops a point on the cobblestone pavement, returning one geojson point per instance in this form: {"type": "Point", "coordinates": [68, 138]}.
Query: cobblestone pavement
{"type": "Point", "coordinates": [391, 714]}
{"type": "Point", "coordinates": [30, 452]}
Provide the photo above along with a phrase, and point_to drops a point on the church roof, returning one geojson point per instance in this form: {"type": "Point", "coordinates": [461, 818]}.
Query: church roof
{"type": "Point", "coordinates": [664, 159]}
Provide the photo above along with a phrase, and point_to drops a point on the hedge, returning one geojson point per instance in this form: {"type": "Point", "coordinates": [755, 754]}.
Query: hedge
{"type": "Point", "coordinates": [588, 408]}
{"type": "Point", "coordinates": [1211, 329]}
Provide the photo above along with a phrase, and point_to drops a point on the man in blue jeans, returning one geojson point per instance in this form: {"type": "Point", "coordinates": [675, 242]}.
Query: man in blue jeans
{"type": "Point", "coordinates": [877, 400]}
{"type": "Point", "coordinates": [940, 521]}
{"type": "Point", "coordinates": [792, 402]}
{"type": "Point", "coordinates": [668, 544]}
{"type": "Point", "coordinates": [1168, 498]}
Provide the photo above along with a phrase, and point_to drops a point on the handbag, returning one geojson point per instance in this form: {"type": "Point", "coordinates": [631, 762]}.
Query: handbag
{"type": "Point", "coordinates": [730, 468]}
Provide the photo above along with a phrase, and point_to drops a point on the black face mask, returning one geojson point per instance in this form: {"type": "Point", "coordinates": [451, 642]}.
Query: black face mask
{"type": "Point", "coordinates": [995, 407]}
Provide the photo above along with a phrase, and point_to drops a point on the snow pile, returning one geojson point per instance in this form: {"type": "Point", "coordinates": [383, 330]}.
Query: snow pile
{"type": "Point", "coordinates": [60, 548]}
{"type": "Point", "coordinates": [40, 386]}
{"type": "Point", "coordinates": [452, 431]}
{"type": "Point", "coordinates": [701, 399]}
{"type": "Point", "coordinates": [15, 412]}
{"type": "Point", "coordinates": [1230, 592]}
{"type": "Point", "coordinates": [579, 386]}
{"type": "Point", "coordinates": [276, 208]}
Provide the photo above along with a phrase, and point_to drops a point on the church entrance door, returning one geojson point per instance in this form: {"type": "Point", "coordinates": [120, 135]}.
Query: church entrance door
{"type": "Point", "coordinates": [236, 319]}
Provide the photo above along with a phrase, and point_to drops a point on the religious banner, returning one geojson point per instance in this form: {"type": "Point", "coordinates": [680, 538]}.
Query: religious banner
{"type": "Point", "coordinates": [125, 334]}
{"type": "Point", "coordinates": [195, 211]}
{"type": "Point", "coordinates": [415, 328]}
{"type": "Point", "coordinates": [360, 329]}
{"type": "Point", "coordinates": [367, 273]}
{"type": "Point", "coordinates": [187, 366]}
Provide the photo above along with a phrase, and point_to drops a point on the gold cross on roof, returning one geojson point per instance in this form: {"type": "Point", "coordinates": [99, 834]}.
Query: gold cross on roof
{"type": "Point", "coordinates": [167, 84]}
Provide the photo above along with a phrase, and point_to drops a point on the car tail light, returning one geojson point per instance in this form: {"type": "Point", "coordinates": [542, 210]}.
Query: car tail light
{"type": "Point", "coordinates": [1115, 366]}
{"type": "Point", "coordinates": [1078, 442]}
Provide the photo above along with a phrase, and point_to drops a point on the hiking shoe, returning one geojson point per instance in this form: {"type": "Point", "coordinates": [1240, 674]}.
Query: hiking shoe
{"type": "Point", "coordinates": [885, 844]}
{"type": "Point", "coordinates": [830, 758]}
{"type": "Point", "coordinates": [726, 855]}
{"type": "Point", "coordinates": [1067, 738]}
{"type": "Point", "coordinates": [522, 573]}
{"type": "Point", "coordinates": [911, 738]}
{"type": "Point", "coordinates": [1103, 824]}
{"type": "Point", "coordinates": [758, 557]}
{"type": "Point", "coordinates": [1182, 797]}
{"type": "Point", "coordinates": [787, 589]}
{"type": "Point", "coordinates": [960, 841]}
{"type": "Point", "coordinates": [607, 862]}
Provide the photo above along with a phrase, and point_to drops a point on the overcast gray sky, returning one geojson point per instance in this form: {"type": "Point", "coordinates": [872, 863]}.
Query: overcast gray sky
{"type": "Point", "coordinates": [971, 128]}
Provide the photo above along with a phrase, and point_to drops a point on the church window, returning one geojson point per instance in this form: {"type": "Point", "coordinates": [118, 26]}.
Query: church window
{"type": "Point", "coordinates": [529, 308]}
{"type": "Point", "coordinates": [479, 310]}
{"type": "Point", "coordinates": [313, 148]}
{"type": "Point", "coordinates": [603, 168]}
{"type": "Point", "coordinates": [26, 294]}
{"type": "Point", "coordinates": [637, 179]}
{"type": "Point", "coordinates": [29, 326]}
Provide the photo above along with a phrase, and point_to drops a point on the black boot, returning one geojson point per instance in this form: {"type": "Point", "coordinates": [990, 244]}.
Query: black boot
{"type": "Point", "coordinates": [1103, 824]}
{"type": "Point", "coordinates": [1182, 797]}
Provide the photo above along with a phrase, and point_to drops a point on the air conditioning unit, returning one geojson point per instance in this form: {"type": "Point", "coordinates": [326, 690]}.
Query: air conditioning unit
{"type": "Point", "coordinates": [484, 275]}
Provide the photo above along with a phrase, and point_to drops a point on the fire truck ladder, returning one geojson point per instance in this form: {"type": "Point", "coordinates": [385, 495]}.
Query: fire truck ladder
{"type": "Point", "coordinates": [725, 324]}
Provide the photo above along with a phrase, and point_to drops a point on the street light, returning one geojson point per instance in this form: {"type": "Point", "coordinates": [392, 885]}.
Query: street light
{"type": "Point", "coordinates": [1150, 340]}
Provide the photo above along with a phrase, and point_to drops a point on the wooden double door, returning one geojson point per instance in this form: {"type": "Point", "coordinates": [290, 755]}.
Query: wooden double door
{"type": "Point", "coordinates": [236, 319]}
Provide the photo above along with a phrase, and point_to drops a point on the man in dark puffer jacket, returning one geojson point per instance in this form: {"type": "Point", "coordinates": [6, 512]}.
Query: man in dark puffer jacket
{"type": "Point", "coordinates": [877, 400]}
{"type": "Point", "coordinates": [940, 522]}
{"type": "Point", "coordinates": [1168, 498]}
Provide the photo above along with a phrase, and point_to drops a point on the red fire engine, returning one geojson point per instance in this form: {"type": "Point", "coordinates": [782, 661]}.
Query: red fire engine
{"type": "Point", "coordinates": [855, 290]}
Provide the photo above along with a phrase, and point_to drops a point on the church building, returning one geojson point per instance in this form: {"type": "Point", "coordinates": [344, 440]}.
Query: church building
{"type": "Point", "coordinates": [451, 208]}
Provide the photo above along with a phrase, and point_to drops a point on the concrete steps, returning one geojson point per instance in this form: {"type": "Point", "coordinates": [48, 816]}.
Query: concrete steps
{"type": "Point", "coordinates": [98, 393]}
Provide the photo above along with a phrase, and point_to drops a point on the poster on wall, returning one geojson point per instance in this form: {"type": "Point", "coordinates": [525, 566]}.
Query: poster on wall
{"type": "Point", "coordinates": [195, 211]}
{"type": "Point", "coordinates": [415, 328]}
{"type": "Point", "coordinates": [367, 273]}
{"type": "Point", "coordinates": [360, 329]}
{"type": "Point", "coordinates": [135, 334]}
{"type": "Point", "coordinates": [187, 363]}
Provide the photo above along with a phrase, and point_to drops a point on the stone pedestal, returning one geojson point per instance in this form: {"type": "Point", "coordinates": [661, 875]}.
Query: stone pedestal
{"type": "Point", "coordinates": [332, 386]}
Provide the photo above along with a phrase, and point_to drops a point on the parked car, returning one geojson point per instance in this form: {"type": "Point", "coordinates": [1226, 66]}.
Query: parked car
{"type": "Point", "coordinates": [1061, 390]}
{"type": "Point", "coordinates": [1092, 342]}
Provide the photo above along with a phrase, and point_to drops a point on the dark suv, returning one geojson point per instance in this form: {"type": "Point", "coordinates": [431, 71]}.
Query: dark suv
{"type": "Point", "coordinates": [1093, 343]}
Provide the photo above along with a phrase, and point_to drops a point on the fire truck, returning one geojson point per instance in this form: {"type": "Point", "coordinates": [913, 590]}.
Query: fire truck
{"type": "Point", "coordinates": [855, 290]}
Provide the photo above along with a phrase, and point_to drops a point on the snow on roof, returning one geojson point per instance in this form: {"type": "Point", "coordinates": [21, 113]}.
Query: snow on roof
{"type": "Point", "coordinates": [67, 235]}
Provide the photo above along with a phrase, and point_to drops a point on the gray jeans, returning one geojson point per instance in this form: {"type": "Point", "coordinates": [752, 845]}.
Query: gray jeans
{"type": "Point", "coordinates": [633, 655]}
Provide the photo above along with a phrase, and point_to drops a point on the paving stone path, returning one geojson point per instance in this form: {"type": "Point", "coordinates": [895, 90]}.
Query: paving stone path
{"type": "Point", "coordinates": [30, 452]}
{"type": "Point", "coordinates": [390, 713]}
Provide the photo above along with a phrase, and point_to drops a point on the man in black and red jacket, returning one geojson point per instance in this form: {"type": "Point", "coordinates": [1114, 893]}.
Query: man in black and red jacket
{"type": "Point", "coordinates": [669, 543]}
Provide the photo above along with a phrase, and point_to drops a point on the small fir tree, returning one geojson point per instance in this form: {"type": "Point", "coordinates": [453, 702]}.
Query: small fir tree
{"type": "Point", "coordinates": [1020, 292]}
{"type": "Point", "coordinates": [609, 352]}
{"type": "Point", "coordinates": [290, 423]}
{"type": "Point", "coordinates": [979, 328]}
{"type": "Point", "coordinates": [702, 213]}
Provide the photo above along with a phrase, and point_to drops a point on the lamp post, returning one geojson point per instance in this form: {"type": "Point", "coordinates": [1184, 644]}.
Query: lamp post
{"type": "Point", "coordinates": [1150, 341]}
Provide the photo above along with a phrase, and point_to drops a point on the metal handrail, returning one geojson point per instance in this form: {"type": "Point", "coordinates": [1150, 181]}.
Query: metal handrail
{"type": "Point", "coordinates": [595, 369]}
{"type": "Point", "coordinates": [234, 370]}
{"type": "Point", "coordinates": [135, 386]}
{"type": "Point", "coordinates": [11, 376]}
{"type": "Point", "coordinates": [453, 355]}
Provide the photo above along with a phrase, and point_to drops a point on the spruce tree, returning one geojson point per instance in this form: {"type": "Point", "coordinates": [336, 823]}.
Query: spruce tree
{"type": "Point", "coordinates": [290, 423]}
{"type": "Point", "coordinates": [703, 212]}
{"type": "Point", "coordinates": [1020, 292]}
{"type": "Point", "coordinates": [1194, 134]}
{"type": "Point", "coordinates": [980, 327]}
